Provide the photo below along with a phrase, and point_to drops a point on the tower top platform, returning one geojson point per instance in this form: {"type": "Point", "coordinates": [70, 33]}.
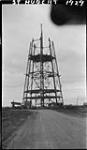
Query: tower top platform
{"type": "Point", "coordinates": [43, 58]}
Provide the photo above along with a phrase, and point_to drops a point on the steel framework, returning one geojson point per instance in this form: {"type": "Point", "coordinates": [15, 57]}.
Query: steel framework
{"type": "Point", "coordinates": [42, 79]}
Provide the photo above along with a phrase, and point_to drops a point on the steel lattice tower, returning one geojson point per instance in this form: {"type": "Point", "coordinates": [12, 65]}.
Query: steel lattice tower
{"type": "Point", "coordinates": [42, 79]}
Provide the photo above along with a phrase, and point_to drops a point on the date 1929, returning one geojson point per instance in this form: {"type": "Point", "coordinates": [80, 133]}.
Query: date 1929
{"type": "Point", "coordinates": [75, 2]}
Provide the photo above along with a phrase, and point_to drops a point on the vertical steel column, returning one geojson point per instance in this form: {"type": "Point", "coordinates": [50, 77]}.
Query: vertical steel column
{"type": "Point", "coordinates": [26, 71]}
{"type": "Point", "coordinates": [29, 67]}
{"type": "Point", "coordinates": [57, 71]}
{"type": "Point", "coordinates": [41, 69]}
{"type": "Point", "coordinates": [32, 76]}
{"type": "Point", "coordinates": [53, 70]}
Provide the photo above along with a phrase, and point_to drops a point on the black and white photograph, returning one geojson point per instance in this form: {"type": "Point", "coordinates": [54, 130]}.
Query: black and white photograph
{"type": "Point", "coordinates": [44, 103]}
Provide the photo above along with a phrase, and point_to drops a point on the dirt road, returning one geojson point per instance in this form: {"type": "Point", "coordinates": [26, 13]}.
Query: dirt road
{"type": "Point", "coordinates": [48, 129]}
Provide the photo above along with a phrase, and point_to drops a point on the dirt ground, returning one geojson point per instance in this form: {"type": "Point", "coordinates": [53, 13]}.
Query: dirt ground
{"type": "Point", "coordinates": [49, 129]}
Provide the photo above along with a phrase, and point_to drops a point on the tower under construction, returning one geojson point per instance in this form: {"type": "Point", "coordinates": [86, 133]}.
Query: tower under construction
{"type": "Point", "coordinates": [42, 79]}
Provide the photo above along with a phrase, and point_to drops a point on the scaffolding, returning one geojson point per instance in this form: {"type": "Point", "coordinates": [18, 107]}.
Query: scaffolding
{"type": "Point", "coordinates": [42, 79]}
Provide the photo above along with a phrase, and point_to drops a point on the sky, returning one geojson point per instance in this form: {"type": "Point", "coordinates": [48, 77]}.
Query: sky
{"type": "Point", "coordinates": [22, 23]}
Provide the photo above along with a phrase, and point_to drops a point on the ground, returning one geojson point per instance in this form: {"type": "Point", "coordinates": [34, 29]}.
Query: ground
{"type": "Point", "coordinates": [12, 119]}
{"type": "Point", "coordinates": [49, 129]}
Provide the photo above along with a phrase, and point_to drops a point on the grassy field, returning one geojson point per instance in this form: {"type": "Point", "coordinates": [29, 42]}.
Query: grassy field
{"type": "Point", "coordinates": [76, 111]}
{"type": "Point", "coordinates": [12, 119]}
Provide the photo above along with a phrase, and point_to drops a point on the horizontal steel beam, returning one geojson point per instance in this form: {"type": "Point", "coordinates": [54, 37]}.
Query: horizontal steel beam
{"type": "Point", "coordinates": [45, 91]}
{"type": "Point", "coordinates": [39, 97]}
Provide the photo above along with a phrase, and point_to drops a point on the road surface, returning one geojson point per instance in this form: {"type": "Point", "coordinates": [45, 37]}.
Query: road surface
{"type": "Point", "coordinates": [48, 129]}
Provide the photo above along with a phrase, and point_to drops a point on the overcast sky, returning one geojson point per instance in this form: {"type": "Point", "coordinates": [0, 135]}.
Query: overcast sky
{"type": "Point", "coordinates": [22, 23]}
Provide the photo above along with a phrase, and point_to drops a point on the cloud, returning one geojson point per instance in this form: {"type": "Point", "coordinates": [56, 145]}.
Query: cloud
{"type": "Point", "coordinates": [72, 66]}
